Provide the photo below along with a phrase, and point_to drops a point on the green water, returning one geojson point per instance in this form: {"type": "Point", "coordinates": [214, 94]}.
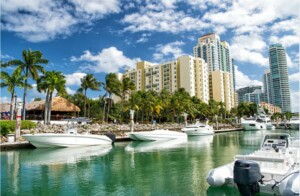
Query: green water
{"type": "Point", "coordinates": [127, 168]}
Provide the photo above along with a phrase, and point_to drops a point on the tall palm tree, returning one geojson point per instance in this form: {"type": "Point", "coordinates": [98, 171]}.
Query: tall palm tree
{"type": "Point", "coordinates": [88, 82]}
{"type": "Point", "coordinates": [11, 82]}
{"type": "Point", "coordinates": [112, 86]}
{"type": "Point", "coordinates": [51, 81]}
{"type": "Point", "coordinates": [30, 66]}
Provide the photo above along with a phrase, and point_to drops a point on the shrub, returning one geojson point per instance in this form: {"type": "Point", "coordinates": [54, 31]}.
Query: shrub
{"type": "Point", "coordinates": [9, 126]}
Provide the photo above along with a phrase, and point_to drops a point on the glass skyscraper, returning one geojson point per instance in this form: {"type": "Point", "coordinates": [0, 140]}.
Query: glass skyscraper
{"type": "Point", "coordinates": [280, 80]}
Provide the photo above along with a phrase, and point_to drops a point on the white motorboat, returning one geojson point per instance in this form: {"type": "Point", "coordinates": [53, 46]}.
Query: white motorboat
{"type": "Point", "coordinates": [198, 129]}
{"type": "Point", "coordinates": [68, 139]}
{"type": "Point", "coordinates": [294, 123]}
{"type": "Point", "coordinates": [261, 122]}
{"type": "Point", "coordinates": [157, 135]}
{"type": "Point", "coordinates": [54, 156]}
{"type": "Point", "coordinates": [150, 146]}
{"type": "Point", "coordinates": [273, 169]}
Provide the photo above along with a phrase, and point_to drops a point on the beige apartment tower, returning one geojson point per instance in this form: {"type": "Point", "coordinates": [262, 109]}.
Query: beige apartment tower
{"type": "Point", "coordinates": [190, 73]}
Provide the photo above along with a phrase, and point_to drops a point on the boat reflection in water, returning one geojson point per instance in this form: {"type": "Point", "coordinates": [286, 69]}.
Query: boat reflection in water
{"type": "Point", "coordinates": [142, 146]}
{"type": "Point", "coordinates": [200, 141]}
{"type": "Point", "coordinates": [52, 156]}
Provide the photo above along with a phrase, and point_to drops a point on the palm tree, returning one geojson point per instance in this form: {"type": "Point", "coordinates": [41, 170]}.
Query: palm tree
{"type": "Point", "coordinates": [112, 86]}
{"type": "Point", "coordinates": [11, 82]}
{"type": "Point", "coordinates": [88, 82]}
{"type": "Point", "coordinates": [51, 81]}
{"type": "Point", "coordinates": [30, 66]}
{"type": "Point", "coordinates": [124, 89]}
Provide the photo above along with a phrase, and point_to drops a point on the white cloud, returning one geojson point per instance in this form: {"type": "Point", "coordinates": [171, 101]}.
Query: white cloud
{"type": "Point", "coordinates": [295, 100]}
{"type": "Point", "coordinates": [286, 40]}
{"type": "Point", "coordinates": [108, 60]}
{"type": "Point", "coordinates": [249, 48]}
{"type": "Point", "coordinates": [4, 99]}
{"type": "Point", "coordinates": [70, 91]}
{"type": "Point", "coordinates": [74, 78]}
{"type": "Point", "coordinates": [170, 51]}
{"type": "Point", "coordinates": [144, 38]}
{"type": "Point", "coordinates": [242, 80]}
{"type": "Point", "coordinates": [42, 20]}
{"type": "Point", "coordinates": [295, 77]}
{"type": "Point", "coordinates": [162, 18]}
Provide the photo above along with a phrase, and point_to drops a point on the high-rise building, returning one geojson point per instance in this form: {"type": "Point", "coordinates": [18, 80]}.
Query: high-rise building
{"type": "Point", "coordinates": [186, 72]}
{"type": "Point", "coordinates": [254, 97]}
{"type": "Point", "coordinates": [248, 89]}
{"type": "Point", "coordinates": [267, 87]}
{"type": "Point", "coordinates": [279, 75]}
{"type": "Point", "coordinates": [216, 54]}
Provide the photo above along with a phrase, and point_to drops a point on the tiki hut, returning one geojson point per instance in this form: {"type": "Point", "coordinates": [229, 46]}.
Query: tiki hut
{"type": "Point", "coordinates": [61, 109]}
{"type": "Point", "coordinates": [5, 110]}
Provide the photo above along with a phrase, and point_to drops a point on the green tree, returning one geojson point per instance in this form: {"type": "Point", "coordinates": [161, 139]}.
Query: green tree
{"type": "Point", "coordinates": [243, 109]}
{"type": "Point", "coordinates": [51, 81]}
{"type": "Point", "coordinates": [30, 66]}
{"type": "Point", "coordinates": [11, 82]}
{"type": "Point", "coordinates": [88, 82]}
{"type": "Point", "coordinates": [112, 86]}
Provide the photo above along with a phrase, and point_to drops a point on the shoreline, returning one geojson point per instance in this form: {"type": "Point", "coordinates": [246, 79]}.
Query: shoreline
{"type": "Point", "coordinates": [25, 144]}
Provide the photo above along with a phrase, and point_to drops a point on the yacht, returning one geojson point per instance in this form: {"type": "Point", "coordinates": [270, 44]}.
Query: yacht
{"type": "Point", "coordinates": [157, 135]}
{"type": "Point", "coordinates": [69, 138]}
{"type": "Point", "coordinates": [198, 129]}
{"type": "Point", "coordinates": [273, 169]}
{"type": "Point", "coordinates": [294, 123]}
{"type": "Point", "coordinates": [260, 122]}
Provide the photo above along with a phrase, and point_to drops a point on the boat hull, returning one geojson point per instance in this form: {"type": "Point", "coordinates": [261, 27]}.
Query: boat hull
{"type": "Point", "coordinates": [198, 131]}
{"type": "Point", "coordinates": [254, 126]}
{"type": "Point", "coordinates": [66, 140]}
{"type": "Point", "coordinates": [157, 135]}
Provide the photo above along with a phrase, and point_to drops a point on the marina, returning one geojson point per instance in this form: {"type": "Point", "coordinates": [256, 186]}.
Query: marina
{"type": "Point", "coordinates": [128, 167]}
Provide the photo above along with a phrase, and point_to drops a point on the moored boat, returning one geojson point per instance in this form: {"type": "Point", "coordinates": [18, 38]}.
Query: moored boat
{"type": "Point", "coordinates": [157, 135]}
{"type": "Point", "coordinates": [260, 122]}
{"type": "Point", "coordinates": [198, 129]}
{"type": "Point", "coordinates": [294, 123]}
{"type": "Point", "coordinates": [273, 169]}
{"type": "Point", "coordinates": [68, 139]}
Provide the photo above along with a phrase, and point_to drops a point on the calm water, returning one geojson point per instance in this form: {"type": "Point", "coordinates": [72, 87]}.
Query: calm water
{"type": "Point", "coordinates": [129, 168]}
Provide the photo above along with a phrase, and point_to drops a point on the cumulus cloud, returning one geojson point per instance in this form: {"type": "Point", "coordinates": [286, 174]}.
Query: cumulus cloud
{"type": "Point", "coordinates": [249, 48]}
{"type": "Point", "coordinates": [161, 16]}
{"type": "Point", "coordinates": [295, 77]}
{"type": "Point", "coordinates": [42, 20]}
{"type": "Point", "coordinates": [70, 91]}
{"type": "Point", "coordinates": [168, 51]}
{"type": "Point", "coordinates": [74, 78]}
{"type": "Point", "coordinates": [295, 99]}
{"type": "Point", "coordinates": [5, 99]}
{"type": "Point", "coordinates": [106, 61]}
{"type": "Point", "coordinates": [144, 38]}
{"type": "Point", "coordinates": [242, 80]}
{"type": "Point", "coordinates": [285, 40]}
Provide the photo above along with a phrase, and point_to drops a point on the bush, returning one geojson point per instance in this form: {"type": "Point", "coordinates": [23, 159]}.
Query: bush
{"type": "Point", "coordinates": [9, 126]}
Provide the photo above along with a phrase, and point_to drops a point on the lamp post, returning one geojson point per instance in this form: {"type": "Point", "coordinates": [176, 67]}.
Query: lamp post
{"type": "Point", "coordinates": [18, 120]}
{"type": "Point", "coordinates": [131, 120]}
{"type": "Point", "coordinates": [185, 118]}
{"type": "Point", "coordinates": [217, 124]}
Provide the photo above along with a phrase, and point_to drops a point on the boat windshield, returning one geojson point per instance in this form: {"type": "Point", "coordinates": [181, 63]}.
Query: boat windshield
{"type": "Point", "coordinates": [276, 141]}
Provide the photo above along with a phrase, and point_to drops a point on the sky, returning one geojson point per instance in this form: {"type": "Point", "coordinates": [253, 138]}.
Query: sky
{"type": "Point", "coordinates": [99, 36]}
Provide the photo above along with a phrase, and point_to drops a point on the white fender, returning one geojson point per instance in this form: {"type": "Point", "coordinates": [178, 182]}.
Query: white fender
{"type": "Point", "coordinates": [290, 185]}
{"type": "Point", "coordinates": [217, 176]}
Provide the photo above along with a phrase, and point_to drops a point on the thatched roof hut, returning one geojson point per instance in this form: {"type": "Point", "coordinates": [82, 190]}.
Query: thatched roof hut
{"type": "Point", "coordinates": [59, 104]}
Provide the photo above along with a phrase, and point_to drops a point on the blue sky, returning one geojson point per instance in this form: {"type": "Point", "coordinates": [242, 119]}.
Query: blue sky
{"type": "Point", "coordinates": [100, 36]}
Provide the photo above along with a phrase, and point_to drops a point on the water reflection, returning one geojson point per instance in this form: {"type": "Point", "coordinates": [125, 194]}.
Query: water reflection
{"type": "Point", "coordinates": [200, 141]}
{"type": "Point", "coordinates": [145, 146]}
{"type": "Point", "coordinates": [52, 156]}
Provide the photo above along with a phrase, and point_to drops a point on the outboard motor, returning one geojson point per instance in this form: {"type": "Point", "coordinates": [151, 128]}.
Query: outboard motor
{"type": "Point", "coordinates": [111, 136]}
{"type": "Point", "coordinates": [246, 175]}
